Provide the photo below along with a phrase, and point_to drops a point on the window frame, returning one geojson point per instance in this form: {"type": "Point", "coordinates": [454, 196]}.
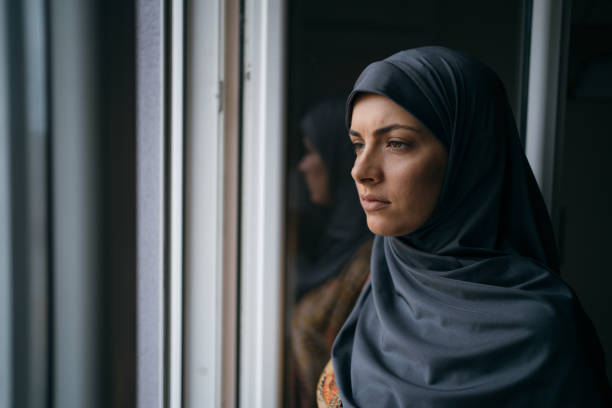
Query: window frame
{"type": "Point", "coordinates": [263, 213]}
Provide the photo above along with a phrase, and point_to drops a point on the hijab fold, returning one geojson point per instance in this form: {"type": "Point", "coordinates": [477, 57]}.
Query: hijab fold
{"type": "Point", "coordinates": [468, 310]}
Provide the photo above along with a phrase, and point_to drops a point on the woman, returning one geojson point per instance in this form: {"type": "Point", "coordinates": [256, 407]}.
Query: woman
{"type": "Point", "coordinates": [465, 306]}
{"type": "Point", "coordinates": [333, 273]}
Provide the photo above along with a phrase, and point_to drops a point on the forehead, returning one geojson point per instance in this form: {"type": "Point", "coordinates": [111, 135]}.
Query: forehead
{"type": "Point", "coordinates": [373, 110]}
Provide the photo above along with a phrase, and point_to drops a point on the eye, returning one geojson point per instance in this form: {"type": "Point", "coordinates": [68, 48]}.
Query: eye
{"type": "Point", "coordinates": [398, 145]}
{"type": "Point", "coordinates": [357, 146]}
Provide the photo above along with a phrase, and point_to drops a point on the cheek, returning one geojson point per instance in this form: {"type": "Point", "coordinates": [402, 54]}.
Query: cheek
{"type": "Point", "coordinates": [317, 178]}
{"type": "Point", "coordinates": [436, 170]}
{"type": "Point", "coordinates": [407, 182]}
{"type": "Point", "coordinates": [414, 188]}
{"type": "Point", "coordinates": [318, 172]}
{"type": "Point", "coordinates": [419, 180]}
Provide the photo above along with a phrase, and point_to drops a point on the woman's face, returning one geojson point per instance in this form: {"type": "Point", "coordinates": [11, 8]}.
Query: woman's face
{"type": "Point", "coordinates": [315, 172]}
{"type": "Point", "coordinates": [399, 168]}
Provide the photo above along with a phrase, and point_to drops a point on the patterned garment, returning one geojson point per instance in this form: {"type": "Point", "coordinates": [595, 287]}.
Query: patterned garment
{"type": "Point", "coordinates": [327, 391]}
{"type": "Point", "coordinates": [317, 319]}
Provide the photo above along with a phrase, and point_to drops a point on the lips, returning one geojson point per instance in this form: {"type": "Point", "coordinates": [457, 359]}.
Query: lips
{"type": "Point", "coordinates": [371, 202]}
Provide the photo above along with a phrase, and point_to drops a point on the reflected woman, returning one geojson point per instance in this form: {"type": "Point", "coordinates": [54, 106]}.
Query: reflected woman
{"type": "Point", "coordinates": [331, 278]}
{"type": "Point", "coordinates": [465, 306]}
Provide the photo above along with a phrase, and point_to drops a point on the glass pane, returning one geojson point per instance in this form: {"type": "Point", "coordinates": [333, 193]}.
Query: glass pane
{"type": "Point", "coordinates": [584, 172]}
{"type": "Point", "coordinates": [330, 43]}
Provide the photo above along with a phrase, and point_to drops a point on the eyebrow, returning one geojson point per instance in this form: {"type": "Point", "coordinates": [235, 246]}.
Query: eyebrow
{"type": "Point", "coordinates": [386, 129]}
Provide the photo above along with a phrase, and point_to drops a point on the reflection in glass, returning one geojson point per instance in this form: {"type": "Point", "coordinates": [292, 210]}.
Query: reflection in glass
{"type": "Point", "coordinates": [333, 265]}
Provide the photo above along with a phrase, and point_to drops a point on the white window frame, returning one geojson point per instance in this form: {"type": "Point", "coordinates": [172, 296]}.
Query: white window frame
{"type": "Point", "coordinates": [203, 206]}
{"type": "Point", "coordinates": [262, 203]}
{"type": "Point", "coordinates": [176, 248]}
{"type": "Point", "coordinates": [6, 309]}
{"type": "Point", "coordinates": [544, 96]}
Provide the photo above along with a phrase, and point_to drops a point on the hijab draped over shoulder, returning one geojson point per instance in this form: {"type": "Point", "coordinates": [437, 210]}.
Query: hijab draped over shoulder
{"type": "Point", "coordinates": [468, 310]}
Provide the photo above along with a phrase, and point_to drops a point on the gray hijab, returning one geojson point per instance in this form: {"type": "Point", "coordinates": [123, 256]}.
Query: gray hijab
{"type": "Point", "coordinates": [469, 309]}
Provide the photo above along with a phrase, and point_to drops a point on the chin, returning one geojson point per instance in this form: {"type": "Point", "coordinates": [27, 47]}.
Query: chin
{"type": "Point", "coordinates": [377, 227]}
{"type": "Point", "coordinates": [388, 227]}
{"type": "Point", "coordinates": [316, 199]}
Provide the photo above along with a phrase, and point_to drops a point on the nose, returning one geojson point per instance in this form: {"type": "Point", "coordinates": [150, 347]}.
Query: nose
{"type": "Point", "coordinates": [366, 168]}
{"type": "Point", "coordinates": [303, 164]}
